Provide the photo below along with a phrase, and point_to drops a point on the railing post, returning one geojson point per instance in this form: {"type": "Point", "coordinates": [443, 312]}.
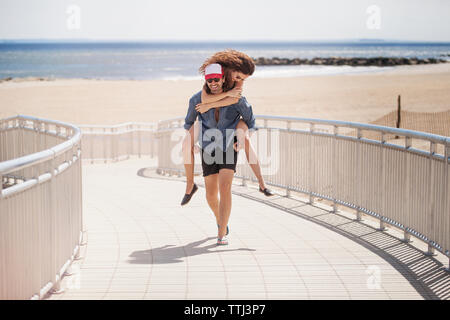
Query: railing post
{"type": "Point", "coordinates": [382, 225]}
{"type": "Point", "coordinates": [289, 162]}
{"type": "Point", "coordinates": [21, 123]}
{"type": "Point", "coordinates": [55, 229]}
{"type": "Point", "coordinates": [430, 251]}
{"type": "Point", "coordinates": [311, 164]}
{"type": "Point", "coordinates": [358, 175]}
{"type": "Point", "coordinates": [334, 170]}
{"type": "Point", "coordinates": [406, 234]}
{"type": "Point", "coordinates": [431, 197]}
{"type": "Point", "coordinates": [382, 194]}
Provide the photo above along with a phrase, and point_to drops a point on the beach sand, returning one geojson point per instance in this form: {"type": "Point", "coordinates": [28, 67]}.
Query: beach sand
{"type": "Point", "coordinates": [353, 97]}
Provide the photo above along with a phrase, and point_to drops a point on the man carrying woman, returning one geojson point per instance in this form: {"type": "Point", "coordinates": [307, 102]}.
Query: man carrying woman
{"type": "Point", "coordinates": [218, 145]}
{"type": "Point", "coordinates": [237, 67]}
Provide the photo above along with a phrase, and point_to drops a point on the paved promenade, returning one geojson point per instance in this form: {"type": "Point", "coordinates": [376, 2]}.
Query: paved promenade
{"type": "Point", "coordinates": [141, 244]}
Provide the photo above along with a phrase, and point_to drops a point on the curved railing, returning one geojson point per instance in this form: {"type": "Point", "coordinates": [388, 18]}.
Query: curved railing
{"type": "Point", "coordinates": [400, 177]}
{"type": "Point", "coordinates": [40, 204]}
{"type": "Point", "coordinates": [117, 142]}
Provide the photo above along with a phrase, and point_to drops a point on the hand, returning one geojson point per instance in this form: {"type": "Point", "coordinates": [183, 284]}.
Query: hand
{"type": "Point", "coordinates": [196, 148]}
{"type": "Point", "coordinates": [202, 107]}
{"type": "Point", "coordinates": [235, 92]}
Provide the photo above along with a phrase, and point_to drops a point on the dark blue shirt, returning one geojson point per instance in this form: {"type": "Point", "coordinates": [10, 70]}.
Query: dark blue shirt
{"type": "Point", "coordinates": [221, 132]}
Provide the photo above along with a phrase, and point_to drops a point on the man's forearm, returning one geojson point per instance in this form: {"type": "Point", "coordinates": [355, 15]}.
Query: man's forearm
{"type": "Point", "coordinates": [209, 98]}
{"type": "Point", "coordinates": [228, 101]}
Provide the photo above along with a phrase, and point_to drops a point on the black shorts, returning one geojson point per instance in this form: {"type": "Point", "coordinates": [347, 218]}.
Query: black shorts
{"type": "Point", "coordinates": [211, 164]}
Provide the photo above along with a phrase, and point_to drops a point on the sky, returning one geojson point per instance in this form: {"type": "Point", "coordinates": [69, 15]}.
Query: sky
{"type": "Point", "coordinates": [232, 20]}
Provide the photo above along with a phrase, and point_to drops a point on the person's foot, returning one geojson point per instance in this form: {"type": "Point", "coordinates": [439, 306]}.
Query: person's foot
{"type": "Point", "coordinates": [267, 192]}
{"type": "Point", "coordinates": [222, 241]}
{"type": "Point", "coordinates": [187, 197]}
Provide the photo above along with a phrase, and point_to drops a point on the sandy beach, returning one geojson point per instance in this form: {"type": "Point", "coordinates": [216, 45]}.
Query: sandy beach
{"type": "Point", "coordinates": [354, 97]}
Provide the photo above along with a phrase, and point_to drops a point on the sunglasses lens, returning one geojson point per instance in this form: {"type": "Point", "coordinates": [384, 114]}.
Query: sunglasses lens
{"type": "Point", "coordinates": [213, 79]}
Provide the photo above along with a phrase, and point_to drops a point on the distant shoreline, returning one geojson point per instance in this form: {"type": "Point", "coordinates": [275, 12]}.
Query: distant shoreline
{"type": "Point", "coordinates": [351, 61]}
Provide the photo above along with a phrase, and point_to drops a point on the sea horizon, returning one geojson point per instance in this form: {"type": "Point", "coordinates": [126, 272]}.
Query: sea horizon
{"type": "Point", "coordinates": [177, 60]}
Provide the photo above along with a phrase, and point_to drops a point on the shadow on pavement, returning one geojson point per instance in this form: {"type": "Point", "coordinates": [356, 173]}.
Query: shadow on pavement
{"type": "Point", "coordinates": [176, 254]}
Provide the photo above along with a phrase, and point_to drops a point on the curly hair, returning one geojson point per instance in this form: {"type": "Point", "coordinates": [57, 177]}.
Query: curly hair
{"type": "Point", "coordinates": [230, 60]}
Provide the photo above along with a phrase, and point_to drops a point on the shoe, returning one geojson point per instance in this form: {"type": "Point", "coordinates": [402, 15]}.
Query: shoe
{"type": "Point", "coordinates": [228, 230]}
{"type": "Point", "coordinates": [187, 197]}
{"type": "Point", "coordinates": [267, 192]}
{"type": "Point", "coordinates": [222, 241]}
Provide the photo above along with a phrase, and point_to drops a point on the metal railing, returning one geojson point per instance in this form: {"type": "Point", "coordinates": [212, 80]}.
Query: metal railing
{"type": "Point", "coordinates": [392, 181]}
{"type": "Point", "coordinates": [118, 142]}
{"type": "Point", "coordinates": [40, 204]}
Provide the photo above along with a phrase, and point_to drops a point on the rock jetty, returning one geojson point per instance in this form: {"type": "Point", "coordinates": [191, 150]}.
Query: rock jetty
{"type": "Point", "coordinates": [339, 61]}
{"type": "Point", "coordinates": [10, 79]}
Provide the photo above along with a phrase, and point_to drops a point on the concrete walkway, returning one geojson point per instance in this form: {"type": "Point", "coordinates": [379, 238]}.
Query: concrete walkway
{"type": "Point", "coordinates": [141, 244]}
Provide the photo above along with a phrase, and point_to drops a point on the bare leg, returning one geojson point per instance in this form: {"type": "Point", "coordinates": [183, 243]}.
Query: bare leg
{"type": "Point", "coordinates": [188, 155]}
{"type": "Point", "coordinates": [225, 181]}
{"type": "Point", "coordinates": [243, 138]}
{"type": "Point", "coordinates": [212, 193]}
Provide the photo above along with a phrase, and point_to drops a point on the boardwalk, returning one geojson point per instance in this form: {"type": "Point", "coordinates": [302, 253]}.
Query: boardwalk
{"type": "Point", "coordinates": [140, 244]}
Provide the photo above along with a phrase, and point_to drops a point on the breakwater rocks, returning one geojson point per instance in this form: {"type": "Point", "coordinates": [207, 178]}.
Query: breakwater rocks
{"type": "Point", "coordinates": [338, 61]}
{"type": "Point", "coordinates": [10, 79]}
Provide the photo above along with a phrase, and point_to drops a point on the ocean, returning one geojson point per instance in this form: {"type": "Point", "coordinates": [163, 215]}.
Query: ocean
{"type": "Point", "coordinates": [181, 60]}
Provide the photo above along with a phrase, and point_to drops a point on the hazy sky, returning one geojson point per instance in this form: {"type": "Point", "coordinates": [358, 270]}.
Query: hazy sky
{"type": "Point", "coordinates": [202, 20]}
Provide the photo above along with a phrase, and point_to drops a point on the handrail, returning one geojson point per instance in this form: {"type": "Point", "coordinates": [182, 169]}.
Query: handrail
{"type": "Point", "coordinates": [41, 216]}
{"type": "Point", "coordinates": [41, 156]}
{"type": "Point", "coordinates": [362, 126]}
